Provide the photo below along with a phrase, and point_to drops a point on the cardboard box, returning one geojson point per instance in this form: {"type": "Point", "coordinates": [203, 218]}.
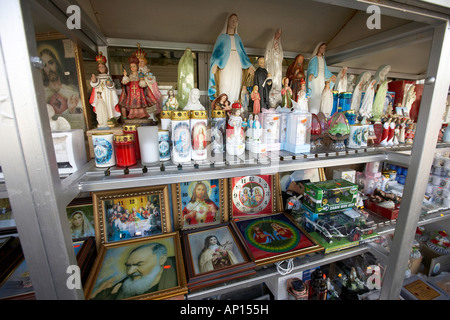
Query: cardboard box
{"type": "Point", "coordinates": [390, 214]}
{"type": "Point", "coordinates": [330, 196]}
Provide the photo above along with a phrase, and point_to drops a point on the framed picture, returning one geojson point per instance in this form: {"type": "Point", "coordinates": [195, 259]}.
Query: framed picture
{"type": "Point", "coordinates": [7, 222]}
{"type": "Point", "coordinates": [80, 214]}
{"type": "Point", "coordinates": [131, 213]}
{"type": "Point", "coordinates": [215, 254]}
{"type": "Point", "coordinates": [275, 238]}
{"type": "Point", "coordinates": [62, 74]}
{"type": "Point", "coordinates": [199, 203]}
{"type": "Point", "coordinates": [18, 285]}
{"type": "Point", "coordinates": [144, 269]}
{"type": "Point", "coordinates": [254, 195]}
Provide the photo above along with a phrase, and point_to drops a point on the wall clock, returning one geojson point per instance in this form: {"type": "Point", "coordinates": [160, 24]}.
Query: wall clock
{"type": "Point", "coordinates": [253, 195]}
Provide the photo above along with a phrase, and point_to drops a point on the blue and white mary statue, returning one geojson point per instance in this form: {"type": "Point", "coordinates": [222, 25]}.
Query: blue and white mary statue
{"type": "Point", "coordinates": [230, 67]}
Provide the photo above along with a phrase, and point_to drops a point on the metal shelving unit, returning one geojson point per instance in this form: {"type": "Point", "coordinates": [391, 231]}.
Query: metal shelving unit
{"type": "Point", "coordinates": [39, 195]}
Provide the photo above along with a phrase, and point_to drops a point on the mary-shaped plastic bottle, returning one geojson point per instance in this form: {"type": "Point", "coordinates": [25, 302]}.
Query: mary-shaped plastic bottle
{"type": "Point", "coordinates": [338, 131]}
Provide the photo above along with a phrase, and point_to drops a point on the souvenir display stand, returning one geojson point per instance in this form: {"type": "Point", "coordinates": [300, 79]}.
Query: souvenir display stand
{"type": "Point", "coordinates": [170, 189]}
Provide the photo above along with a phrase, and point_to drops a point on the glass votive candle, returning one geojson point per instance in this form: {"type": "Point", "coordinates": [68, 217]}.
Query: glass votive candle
{"type": "Point", "coordinates": [125, 150]}
{"type": "Point", "coordinates": [149, 144]}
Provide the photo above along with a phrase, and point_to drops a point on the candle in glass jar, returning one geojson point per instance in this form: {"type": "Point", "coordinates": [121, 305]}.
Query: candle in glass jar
{"type": "Point", "coordinates": [103, 149]}
{"type": "Point", "coordinates": [125, 150]}
{"type": "Point", "coordinates": [132, 129]}
{"type": "Point", "coordinates": [199, 127]}
{"type": "Point", "coordinates": [148, 144]}
{"type": "Point", "coordinates": [164, 145]}
{"type": "Point", "coordinates": [181, 137]}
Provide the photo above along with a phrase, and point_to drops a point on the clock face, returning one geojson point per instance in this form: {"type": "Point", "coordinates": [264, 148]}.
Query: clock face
{"type": "Point", "coordinates": [251, 195]}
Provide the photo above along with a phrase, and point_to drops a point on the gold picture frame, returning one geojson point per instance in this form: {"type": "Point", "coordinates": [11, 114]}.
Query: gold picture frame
{"type": "Point", "coordinates": [133, 213]}
{"type": "Point", "coordinates": [63, 59]}
{"type": "Point", "coordinates": [111, 275]}
{"type": "Point", "coordinates": [190, 212]}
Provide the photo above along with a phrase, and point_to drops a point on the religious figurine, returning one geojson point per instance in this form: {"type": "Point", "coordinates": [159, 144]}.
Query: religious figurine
{"type": "Point", "coordinates": [235, 140]}
{"type": "Point", "coordinates": [132, 99]}
{"type": "Point", "coordinates": [266, 92]}
{"type": "Point", "coordinates": [295, 73]}
{"type": "Point", "coordinates": [367, 102]}
{"type": "Point", "coordinates": [103, 88]}
{"type": "Point", "coordinates": [245, 99]}
{"type": "Point", "coordinates": [152, 93]}
{"type": "Point", "coordinates": [256, 98]}
{"type": "Point", "coordinates": [286, 94]}
{"type": "Point", "coordinates": [220, 103]}
{"type": "Point", "coordinates": [410, 99]}
{"type": "Point", "coordinates": [381, 78]}
{"type": "Point", "coordinates": [185, 77]}
{"type": "Point", "coordinates": [249, 132]}
{"type": "Point", "coordinates": [302, 99]}
{"type": "Point", "coordinates": [326, 104]}
{"type": "Point", "coordinates": [385, 133]}
{"type": "Point", "coordinates": [261, 74]}
{"type": "Point", "coordinates": [341, 81]}
{"type": "Point", "coordinates": [60, 124]}
{"type": "Point", "coordinates": [171, 103]}
{"type": "Point", "coordinates": [274, 64]}
{"type": "Point", "coordinates": [318, 73]}
{"type": "Point", "coordinates": [401, 136]}
{"type": "Point", "coordinates": [357, 92]}
{"type": "Point", "coordinates": [228, 60]}
{"type": "Point", "coordinates": [194, 101]}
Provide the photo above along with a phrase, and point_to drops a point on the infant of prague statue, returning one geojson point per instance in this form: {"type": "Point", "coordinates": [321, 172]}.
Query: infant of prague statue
{"type": "Point", "coordinates": [230, 67]}
{"type": "Point", "coordinates": [152, 93]}
{"type": "Point", "coordinates": [104, 98]}
{"type": "Point", "coordinates": [132, 99]}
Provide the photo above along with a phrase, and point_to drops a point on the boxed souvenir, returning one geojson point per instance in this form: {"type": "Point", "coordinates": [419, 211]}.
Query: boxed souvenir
{"type": "Point", "coordinates": [330, 196]}
{"type": "Point", "coordinates": [389, 213]}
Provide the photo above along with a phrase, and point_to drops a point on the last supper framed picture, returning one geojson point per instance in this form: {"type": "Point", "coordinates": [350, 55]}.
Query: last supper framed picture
{"type": "Point", "coordinates": [274, 238]}
{"type": "Point", "coordinates": [254, 195]}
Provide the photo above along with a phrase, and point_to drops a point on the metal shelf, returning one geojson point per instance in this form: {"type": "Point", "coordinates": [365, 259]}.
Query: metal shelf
{"type": "Point", "coordinates": [96, 179]}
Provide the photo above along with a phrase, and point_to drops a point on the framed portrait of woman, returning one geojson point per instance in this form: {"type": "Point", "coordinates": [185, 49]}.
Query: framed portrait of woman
{"type": "Point", "coordinates": [213, 255]}
{"type": "Point", "coordinates": [138, 269]}
{"type": "Point", "coordinates": [80, 214]}
{"type": "Point", "coordinates": [131, 213]}
{"type": "Point", "coordinates": [274, 238]}
{"type": "Point", "coordinates": [199, 203]}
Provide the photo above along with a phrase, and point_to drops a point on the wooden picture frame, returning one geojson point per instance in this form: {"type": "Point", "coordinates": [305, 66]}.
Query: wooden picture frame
{"type": "Point", "coordinates": [119, 217]}
{"type": "Point", "coordinates": [229, 259]}
{"type": "Point", "coordinates": [274, 238]}
{"type": "Point", "coordinates": [7, 222]}
{"type": "Point", "coordinates": [254, 195]}
{"type": "Point", "coordinates": [63, 77]}
{"type": "Point", "coordinates": [123, 264]}
{"type": "Point", "coordinates": [18, 286]}
{"type": "Point", "coordinates": [209, 207]}
{"type": "Point", "coordinates": [80, 214]}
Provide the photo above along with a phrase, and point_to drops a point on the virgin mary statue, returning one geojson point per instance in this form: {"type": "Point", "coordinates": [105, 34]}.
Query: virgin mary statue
{"type": "Point", "coordinates": [230, 67]}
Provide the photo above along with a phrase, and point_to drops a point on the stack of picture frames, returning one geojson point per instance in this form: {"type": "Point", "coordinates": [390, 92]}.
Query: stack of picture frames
{"type": "Point", "coordinates": [213, 251]}
{"type": "Point", "coordinates": [232, 226]}
{"type": "Point", "coordinates": [257, 214]}
{"type": "Point", "coordinates": [139, 253]}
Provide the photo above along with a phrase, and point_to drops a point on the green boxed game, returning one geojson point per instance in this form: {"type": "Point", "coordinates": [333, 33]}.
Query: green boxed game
{"type": "Point", "coordinates": [330, 196]}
